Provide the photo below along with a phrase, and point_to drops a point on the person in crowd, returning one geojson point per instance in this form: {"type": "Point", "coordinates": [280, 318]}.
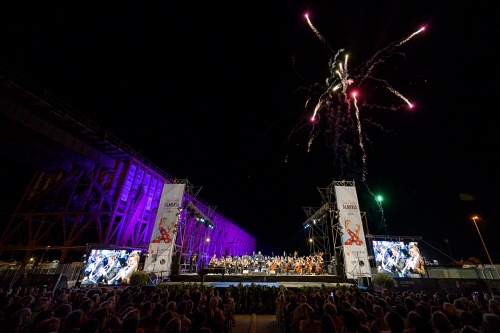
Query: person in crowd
{"type": "Point", "coordinates": [491, 323]}
{"type": "Point", "coordinates": [181, 313]}
{"type": "Point", "coordinates": [198, 324]}
{"type": "Point", "coordinates": [309, 324]}
{"type": "Point", "coordinates": [215, 316]}
{"type": "Point", "coordinates": [350, 321]}
{"type": "Point", "coordinates": [441, 322]}
{"type": "Point", "coordinates": [327, 324]}
{"type": "Point", "coordinates": [395, 322]}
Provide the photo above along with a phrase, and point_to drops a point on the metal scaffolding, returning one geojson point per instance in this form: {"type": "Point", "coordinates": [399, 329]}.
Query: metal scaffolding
{"type": "Point", "coordinates": [323, 229]}
{"type": "Point", "coordinates": [89, 187]}
{"type": "Point", "coordinates": [322, 225]}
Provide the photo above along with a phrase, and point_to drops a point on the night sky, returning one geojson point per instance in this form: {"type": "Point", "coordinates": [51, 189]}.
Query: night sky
{"type": "Point", "coordinates": [215, 92]}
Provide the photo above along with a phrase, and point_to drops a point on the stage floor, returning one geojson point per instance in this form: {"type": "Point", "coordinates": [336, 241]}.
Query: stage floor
{"type": "Point", "coordinates": [288, 281]}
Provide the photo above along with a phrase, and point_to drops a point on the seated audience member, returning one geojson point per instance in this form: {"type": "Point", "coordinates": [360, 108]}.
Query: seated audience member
{"type": "Point", "coordinates": [491, 323]}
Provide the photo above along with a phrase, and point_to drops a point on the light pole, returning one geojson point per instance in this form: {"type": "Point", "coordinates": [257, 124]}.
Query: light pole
{"type": "Point", "coordinates": [474, 218]}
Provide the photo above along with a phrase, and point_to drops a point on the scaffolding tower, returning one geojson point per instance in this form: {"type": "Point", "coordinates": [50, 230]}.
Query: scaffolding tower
{"type": "Point", "coordinates": [323, 229]}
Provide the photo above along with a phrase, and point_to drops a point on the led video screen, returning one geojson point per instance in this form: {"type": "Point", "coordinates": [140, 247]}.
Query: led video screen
{"type": "Point", "coordinates": [398, 257]}
{"type": "Point", "coordinates": [110, 266]}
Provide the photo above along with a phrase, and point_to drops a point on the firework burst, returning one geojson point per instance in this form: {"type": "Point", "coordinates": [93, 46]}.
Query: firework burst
{"type": "Point", "coordinates": [339, 102]}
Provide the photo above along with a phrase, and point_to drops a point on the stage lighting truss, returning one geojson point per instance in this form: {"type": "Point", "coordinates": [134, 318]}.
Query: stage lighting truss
{"type": "Point", "coordinates": [194, 212]}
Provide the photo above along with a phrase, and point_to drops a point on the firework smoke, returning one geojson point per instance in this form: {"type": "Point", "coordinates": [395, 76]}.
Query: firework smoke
{"type": "Point", "coordinates": [337, 110]}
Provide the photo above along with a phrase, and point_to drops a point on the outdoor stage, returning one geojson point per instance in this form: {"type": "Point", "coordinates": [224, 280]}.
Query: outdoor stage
{"type": "Point", "coordinates": [289, 281]}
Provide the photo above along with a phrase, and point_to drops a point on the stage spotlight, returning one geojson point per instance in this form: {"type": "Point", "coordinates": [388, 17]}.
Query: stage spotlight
{"type": "Point", "coordinates": [209, 224]}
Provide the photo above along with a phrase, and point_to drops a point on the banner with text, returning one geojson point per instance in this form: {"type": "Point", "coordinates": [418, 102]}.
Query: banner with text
{"type": "Point", "coordinates": [165, 229]}
{"type": "Point", "coordinates": [353, 237]}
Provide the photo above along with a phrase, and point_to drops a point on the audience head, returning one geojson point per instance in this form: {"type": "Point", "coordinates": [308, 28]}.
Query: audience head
{"type": "Point", "coordinates": [327, 324]}
{"type": "Point", "coordinates": [491, 323]}
{"type": "Point", "coordinates": [441, 322]}
{"type": "Point", "coordinates": [394, 321]}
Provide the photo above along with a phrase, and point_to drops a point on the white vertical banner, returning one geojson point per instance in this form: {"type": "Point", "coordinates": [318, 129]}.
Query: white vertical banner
{"type": "Point", "coordinates": [353, 237]}
{"type": "Point", "coordinates": [165, 229]}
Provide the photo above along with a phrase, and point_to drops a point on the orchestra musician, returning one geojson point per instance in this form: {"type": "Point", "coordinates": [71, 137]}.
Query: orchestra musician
{"type": "Point", "coordinates": [396, 261]}
{"type": "Point", "coordinates": [260, 261]}
{"type": "Point", "coordinates": [300, 265]}
{"type": "Point", "coordinates": [383, 258]}
{"type": "Point", "coordinates": [124, 274]}
{"type": "Point", "coordinates": [415, 264]}
{"type": "Point", "coordinates": [193, 262]}
{"type": "Point", "coordinates": [92, 271]}
{"type": "Point", "coordinates": [109, 271]}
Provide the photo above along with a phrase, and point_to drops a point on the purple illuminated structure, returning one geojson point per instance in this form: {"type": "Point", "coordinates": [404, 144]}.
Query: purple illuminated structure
{"type": "Point", "coordinates": [91, 189]}
{"type": "Point", "coordinates": [205, 232]}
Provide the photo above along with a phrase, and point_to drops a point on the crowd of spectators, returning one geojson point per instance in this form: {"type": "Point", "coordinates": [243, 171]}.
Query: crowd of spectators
{"type": "Point", "coordinates": [148, 310]}
{"type": "Point", "coordinates": [114, 310]}
{"type": "Point", "coordinates": [407, 312]}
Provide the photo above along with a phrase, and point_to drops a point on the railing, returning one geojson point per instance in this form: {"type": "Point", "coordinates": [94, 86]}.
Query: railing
{"type": "Point", "coordinates": [14, 275]}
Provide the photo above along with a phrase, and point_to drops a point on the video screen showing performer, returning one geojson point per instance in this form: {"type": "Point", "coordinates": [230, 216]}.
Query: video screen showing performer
{"type": "Point", "coordinates": [402, 259]}
{"type": "Point", "coordinates": [110, 267]}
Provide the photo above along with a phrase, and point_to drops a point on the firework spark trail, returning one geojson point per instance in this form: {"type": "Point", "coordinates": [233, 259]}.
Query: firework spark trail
{"type": "Point", "coordinates": [378, 58]}
{"type": "Point", "coordinates": [360, 136]}
{"type": "Point", "coordinates": [397, 93]}
{"type": "Point", "coordinates": [392, 90]}
{"type": "Point", "coordinates": [342, 127]}
{"type": "Point", "coordinates": [318, 34]}
{"type": "Point", "coordinates": [409, 37]}
{"type": "Point", "coordinates": [336, 102]}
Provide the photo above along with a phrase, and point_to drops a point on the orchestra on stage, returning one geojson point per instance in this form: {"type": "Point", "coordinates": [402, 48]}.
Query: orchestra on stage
{"type": "Point", "coordinates": [271, 265]}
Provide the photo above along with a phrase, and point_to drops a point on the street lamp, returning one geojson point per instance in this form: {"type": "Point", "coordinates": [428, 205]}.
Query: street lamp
{"type": "Point", "coordinates": [474, 218]}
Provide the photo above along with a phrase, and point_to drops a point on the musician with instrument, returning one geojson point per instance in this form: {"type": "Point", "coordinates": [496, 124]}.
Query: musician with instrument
{"type": "Point", "coordinates": [92, 270]}
{"type": "Point", "coordinates": [125, 272]}
{"type": "Point", "coordinates": [110, 270]}
{"type": "Point", "coordinates": [214, 261]}
{"type": "Point", "coordinates": [397, 260]}
{"type": "Point", "coordinates": [415, 264]}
